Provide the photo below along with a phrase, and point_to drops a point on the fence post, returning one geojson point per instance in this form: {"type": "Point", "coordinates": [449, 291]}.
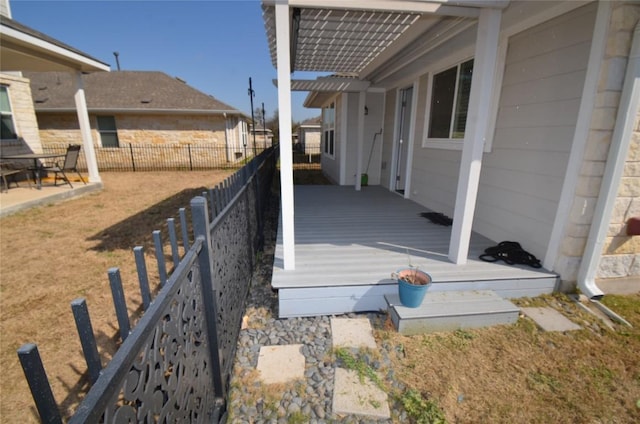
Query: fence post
{"type": "Point", "coordinates": [39, 383]}
{"type": "Point", "coordinates": [184, 229]}
{"type": "Point", "coordinates": [173, 239]}
{"type": "Point", "coordinates": [202, 229]}
{"type": "Point", "coordinates": [162, 266]}
{"type": "Point", "coordinates": [119, 302]}
{"type": "Point", "coordinates": [143, 277]}
{"type": "Point", "coordinates": [190, 160]}
{"type": "Point", "coordinates": [133, 162]}
{"type": "Point", "coordinates": [87, 338]}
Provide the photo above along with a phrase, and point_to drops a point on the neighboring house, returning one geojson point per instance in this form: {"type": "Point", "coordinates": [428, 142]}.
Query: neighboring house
{"type": "Point", "coordinates": [25, 49]}
{"type": "Point", "coordinates": [264, 136]}
{"type": "Point", "coordinates": [517, 118]}
{"type": "Point", "coordinates": [309, 133]}
{"type": "Point", "coordinates": [137, 107]}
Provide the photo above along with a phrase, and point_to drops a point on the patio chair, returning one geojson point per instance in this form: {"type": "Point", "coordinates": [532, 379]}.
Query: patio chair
{"type": "Point", "coordinates": [70, 163]}
{"type": "Point", "coordinates": [9, 170]}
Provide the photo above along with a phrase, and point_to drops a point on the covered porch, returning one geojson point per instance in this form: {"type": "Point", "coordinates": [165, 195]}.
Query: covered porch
{"type": "Point", "coordinates": [348, 243]}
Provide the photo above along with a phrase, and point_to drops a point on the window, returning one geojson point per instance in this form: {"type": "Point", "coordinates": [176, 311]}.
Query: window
{"type": "Point", "coordinates": [450, 91]}
{"type": "Point", "coordinates": [328, 129]}
{"type": "Point", "coordinates": [108, 131]}
{"type": "Point", "coordinates": [8, 129]}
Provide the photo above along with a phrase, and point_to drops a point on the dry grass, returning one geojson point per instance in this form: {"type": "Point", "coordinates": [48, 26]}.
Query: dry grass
{"type": "Point", "coordinates": [53, 254]}
{"type": "Point", "coordinates": [519, 374]}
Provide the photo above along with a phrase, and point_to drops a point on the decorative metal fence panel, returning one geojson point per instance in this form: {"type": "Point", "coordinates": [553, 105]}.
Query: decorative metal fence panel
{"type": "Point", "coordinates": [175, 365]}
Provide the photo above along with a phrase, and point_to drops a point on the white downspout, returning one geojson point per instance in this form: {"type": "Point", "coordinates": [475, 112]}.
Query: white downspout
{"type": "Point", "coordinates": [620, 141]}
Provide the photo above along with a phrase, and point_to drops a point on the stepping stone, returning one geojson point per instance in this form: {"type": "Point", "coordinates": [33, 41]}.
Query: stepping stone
{"type": "Point", "coordinates": [280, 364]}
{"type": "Point", "coordinates": [352, 396]}
{"type": "Point", "coordinates": [550, 320]}
{"type": "Point", "coordinates": [352, 332]}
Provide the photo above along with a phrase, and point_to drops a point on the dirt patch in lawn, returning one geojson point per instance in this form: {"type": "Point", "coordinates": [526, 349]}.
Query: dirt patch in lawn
{"type": "Point", "coordinates": [53, 254]}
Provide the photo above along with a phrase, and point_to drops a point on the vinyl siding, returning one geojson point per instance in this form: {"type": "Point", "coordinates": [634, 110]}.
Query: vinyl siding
{"type": "Point", "coordinates": [434, 173]}
{"type": "Point", "coordinates": [522, 176]}
{"type": "Point", "coordinates": [388, 136]}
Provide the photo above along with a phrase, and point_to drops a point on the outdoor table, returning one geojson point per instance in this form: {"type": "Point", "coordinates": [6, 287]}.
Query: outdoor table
{"type": "Point", "coordinates": [36, 166]}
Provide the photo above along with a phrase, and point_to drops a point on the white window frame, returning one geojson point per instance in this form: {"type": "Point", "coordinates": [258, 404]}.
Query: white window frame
{"type": "Point", "coordinates": [11, 114]}
{"type": "Point", "coordinates": [329, 128]}
{"type": "Point", "coordinates": [443, 143]}
{"type": "Point", "coordinates": [453, 60]}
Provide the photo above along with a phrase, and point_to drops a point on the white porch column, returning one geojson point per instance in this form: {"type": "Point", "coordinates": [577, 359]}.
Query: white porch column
{"type": "Point", "coordinates": [286, 154]}
{"type": "Point", "coordinates": [478, 116]}
{"type": "Point", "coordinates": [361, 104]}
{"type": "Point", "coordinates": [85, 130]}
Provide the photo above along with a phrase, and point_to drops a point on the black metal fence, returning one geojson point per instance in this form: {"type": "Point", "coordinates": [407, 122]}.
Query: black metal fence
{"type": "Point", "coordinates": [175, 365]}
{"type": "Point", "coordinates": [162, 157]}
{"type": "Point", "coordinates": [307, 157]}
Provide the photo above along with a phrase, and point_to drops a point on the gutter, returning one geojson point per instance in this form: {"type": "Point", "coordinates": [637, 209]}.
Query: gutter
{"type": "Point", "coordinates": [618, 151]}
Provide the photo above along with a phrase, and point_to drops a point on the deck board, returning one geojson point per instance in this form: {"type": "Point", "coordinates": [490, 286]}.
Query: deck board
{"type": "Point", "coordinates": [348, 238]}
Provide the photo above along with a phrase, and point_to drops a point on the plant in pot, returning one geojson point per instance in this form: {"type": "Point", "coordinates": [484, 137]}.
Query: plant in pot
{"type": "Point", "coordinates": [412, 285]}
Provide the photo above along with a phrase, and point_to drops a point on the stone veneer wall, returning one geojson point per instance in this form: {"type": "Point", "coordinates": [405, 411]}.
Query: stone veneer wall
{"type": "Point", "coordinates": [24, 116]}
{"type": "Point", "coordinates": [137, 129]}
{"type": "Point", "coordinates": [621, 253]}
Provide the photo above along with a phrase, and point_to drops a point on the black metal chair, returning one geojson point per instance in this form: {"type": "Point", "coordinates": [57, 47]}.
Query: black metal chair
{"type": "Point", "coordinates": [9, 170]}
{"type": "Point", "coordinates": [70, 163]}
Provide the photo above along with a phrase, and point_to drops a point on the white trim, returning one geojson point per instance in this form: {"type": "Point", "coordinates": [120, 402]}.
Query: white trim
{"type": "Point", "coordinates": [501, 62]}
{"type": "Point", "coordinates": [477, 123]}
{"type": "Point", "coordinates": [468, 9]}
{"type": "Point", "coordinates": [613, 172]}
{"type": "Point", "coordinates": [410, 145]}
{"type": "Point", "coordinates": [344, 115]}
{"type": "Point", "coordinates": [361, 105]}
{"type": "Point", "coordinates": [286, 154]}
{"type": "Point", "coordinates": [323, 128]}
{"type": "Point", "coordinates": [13, 115]}
{"type": "Point", "coordinates": [578, 145]}
{"type": "Point", "coordinates": [85, 131]}
{"type": "Point", "coordinates": [393, 172]}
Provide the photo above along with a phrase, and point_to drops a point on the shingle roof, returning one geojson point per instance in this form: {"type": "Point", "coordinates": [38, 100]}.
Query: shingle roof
{"type": "Point", "coordinates": [122, 91]}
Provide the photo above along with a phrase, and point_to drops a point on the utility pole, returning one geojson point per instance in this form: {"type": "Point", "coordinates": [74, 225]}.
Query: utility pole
{"type": "Point", "coordinates": [116, 54]}
{"type": "Point", "coordinates": [264, 128]}
{"type": "Point", "coordinates": [253, 122]}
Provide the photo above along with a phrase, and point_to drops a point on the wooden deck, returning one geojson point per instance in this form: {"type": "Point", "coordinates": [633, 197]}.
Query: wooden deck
{"type": "Point", "coordinates": [348, 243]}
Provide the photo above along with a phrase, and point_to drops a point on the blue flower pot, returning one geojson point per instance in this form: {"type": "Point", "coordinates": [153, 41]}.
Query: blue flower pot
{"type": "Point", "coordinates": [411, 295]}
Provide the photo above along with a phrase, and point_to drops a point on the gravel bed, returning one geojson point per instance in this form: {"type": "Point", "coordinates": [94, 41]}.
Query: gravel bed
{"type": "Point", "coordinates": [308, 400]}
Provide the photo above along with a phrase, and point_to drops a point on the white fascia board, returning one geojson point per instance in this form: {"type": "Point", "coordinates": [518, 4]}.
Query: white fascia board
{"type": "Point", "coordinates": [470, 9]}
{"type": "Point", "coordinates": [48, 49]}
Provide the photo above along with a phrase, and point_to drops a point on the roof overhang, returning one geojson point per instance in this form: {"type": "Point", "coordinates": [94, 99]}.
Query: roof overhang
{"type": "Point", "coordinates": [22, 49]}
{"type": "Point", "coordinates": [360, 36]}
{"type": "Point", "coordinates": [131, 111]}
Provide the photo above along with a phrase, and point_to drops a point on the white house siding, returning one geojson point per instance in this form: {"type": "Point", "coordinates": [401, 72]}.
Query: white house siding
{"type": "Point", "coordinates": [24, 116]}
{"type": "Point", "coordinates": [373, 123]}
{"type": "Point", "coordinates": [331, 166]}
{"type": "Point", "coordinates": [522, 177]}
{"type": "Point", "coordinates": [434, 172]}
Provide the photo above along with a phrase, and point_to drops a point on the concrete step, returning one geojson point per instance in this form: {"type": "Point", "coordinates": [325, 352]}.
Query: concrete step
{"type": "Point", "coordinates": [451, 310]}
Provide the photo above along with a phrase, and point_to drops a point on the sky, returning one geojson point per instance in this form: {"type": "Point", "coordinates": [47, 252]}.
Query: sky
{"type": "Point", "coordinates": [214, 45]}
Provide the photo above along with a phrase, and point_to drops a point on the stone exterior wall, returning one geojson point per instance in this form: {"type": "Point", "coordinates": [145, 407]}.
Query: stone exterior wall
{"type": "Point", "coordinates": [24, 116]}
{"type": "Point", "coordinates": [137, 129]}
{"type": "Point", "coordinates": [620, 254]}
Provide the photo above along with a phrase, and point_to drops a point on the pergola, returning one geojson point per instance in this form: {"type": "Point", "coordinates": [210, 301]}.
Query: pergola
{"type": "Point", "coordinates": [366, 41]}
{"type": "Point", "coordinates": [24, 49]}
